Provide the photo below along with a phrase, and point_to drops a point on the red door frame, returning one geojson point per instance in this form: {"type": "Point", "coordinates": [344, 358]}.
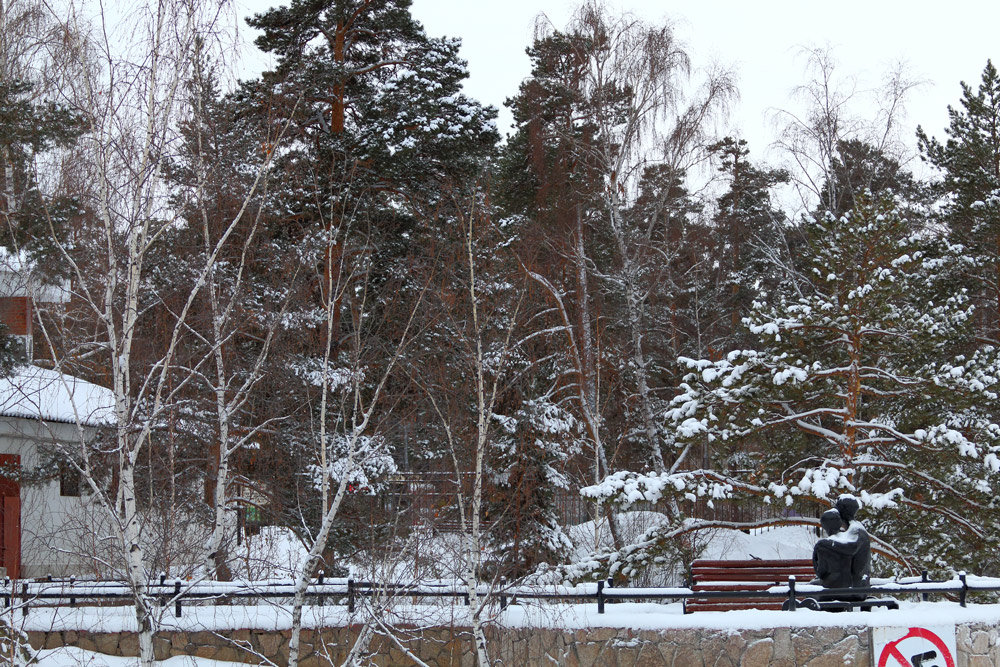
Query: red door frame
{"type": "Point", "coordinates": [10, 516]}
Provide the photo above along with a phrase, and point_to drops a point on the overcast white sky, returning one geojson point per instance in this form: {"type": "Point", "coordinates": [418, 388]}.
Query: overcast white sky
{"type": "Point", "coordinates": [760, 40]}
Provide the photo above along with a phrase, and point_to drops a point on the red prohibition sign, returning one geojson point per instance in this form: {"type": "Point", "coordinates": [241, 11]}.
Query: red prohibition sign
{"type": "Point", "coordinates": [891, 649]}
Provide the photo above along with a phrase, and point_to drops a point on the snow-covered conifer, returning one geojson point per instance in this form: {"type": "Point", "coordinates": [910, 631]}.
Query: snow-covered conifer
{"type": "Point", "coordinates": [866, 383]}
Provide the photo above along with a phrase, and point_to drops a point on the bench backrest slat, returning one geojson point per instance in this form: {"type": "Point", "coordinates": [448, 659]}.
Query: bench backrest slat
{"type": "Point", "coordinates": [752, 563]}
{"type": "Point", "coordinates": [728, 575]}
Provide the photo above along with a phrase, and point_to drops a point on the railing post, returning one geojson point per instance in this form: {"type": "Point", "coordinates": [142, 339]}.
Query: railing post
{"type": "Point", "coordinates": [350, 595]}
{"type": "Point", "coordinates": [322, 598]}
{"type": "Point", "coordinates": [792, 605]}
{"type": "Point", "coordinates": [24, 599]}
{"type": "Point", "coordinates": [177, 598]}
{"type": "Point", "coordinates": [965, 588]}
{"type": "Point", "coordinates": [600, 596]}
{"type": "Point", "coordinates": [923, 579]}
{"type": "Point", "coordinates": [503, 593]}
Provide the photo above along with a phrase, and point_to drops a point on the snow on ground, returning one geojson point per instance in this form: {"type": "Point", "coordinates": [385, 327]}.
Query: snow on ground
{"type": "Point", "coordinates": [781, 542]}
{"type": "Point", "coordinates": [715, 543]}
{"type": "Point", "coordinates": [589, 536]}
{"type": "Point", "coordinates": [70, 656]}
{"type": "Point", "coordinates": [278, 553]}
{"type": "Point", "coordinates": [275, 552]}
{"type": "Point", "coordinates": [634, 615]}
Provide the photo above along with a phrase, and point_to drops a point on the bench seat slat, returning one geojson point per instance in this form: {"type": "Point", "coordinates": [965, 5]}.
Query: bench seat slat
{"type": "Point", "coordinates": [734, 586]}
{"type": "Point", "coordinates": [693, 605]}
{"type": "Point", "coordinates": [753, 576]}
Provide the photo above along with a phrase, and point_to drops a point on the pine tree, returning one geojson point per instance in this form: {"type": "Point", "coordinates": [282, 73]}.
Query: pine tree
{"type": "Point", "coordinates": [747, 231]}
{"type": "Point", "coordinates": [528, 464]}
{"type": "Point", "coordinates": [868, 383]}
{"type": "Point", "coordinates": [586, 121]}
{"type": "Point", "coordinates": [28, 128]}
{"type": "Point", "coordinates": [969, 160]}
{"type": "Point", "coordinates": [376, 130]}
{"type": "Point", "coordinates": [858, 168]}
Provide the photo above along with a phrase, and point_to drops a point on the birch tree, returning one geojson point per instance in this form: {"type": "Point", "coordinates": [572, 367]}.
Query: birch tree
{"type": "Point", "coordinates": [812, 138]}
{"type": "Point", "coordinates": [351, 380]}
{"type": "Point", "coordinates": [634, 89]}
{"type": "Point", "coordinates": [471, 386]}
{"type": "Point", "coordinates": [129, 93]}
{"type": "Point", "coordinates": [221, 175]}
{"type": "Point", "coordinates": [610, 103]}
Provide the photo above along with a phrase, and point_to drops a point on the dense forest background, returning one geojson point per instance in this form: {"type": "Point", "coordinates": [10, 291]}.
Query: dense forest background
{"type": "Point", "coordinates": [332, 288]}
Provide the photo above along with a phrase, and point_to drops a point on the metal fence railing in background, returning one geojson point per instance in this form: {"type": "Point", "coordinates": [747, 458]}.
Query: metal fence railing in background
{"type": "Point", "coordinates": [347, 592]}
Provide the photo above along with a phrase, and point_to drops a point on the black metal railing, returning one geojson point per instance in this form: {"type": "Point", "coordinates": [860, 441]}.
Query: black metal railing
{"type": "Point", "coordinates": [322, 591]}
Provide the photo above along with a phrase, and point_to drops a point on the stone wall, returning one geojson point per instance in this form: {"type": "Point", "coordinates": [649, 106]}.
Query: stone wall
{"type": "Point", "coordinates": [978, 646]}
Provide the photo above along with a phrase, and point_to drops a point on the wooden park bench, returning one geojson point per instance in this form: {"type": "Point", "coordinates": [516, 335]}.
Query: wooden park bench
{"type": "Point", "coordinates": [743, 575]}
{"type": "Point", "coordinates": [739, 576]}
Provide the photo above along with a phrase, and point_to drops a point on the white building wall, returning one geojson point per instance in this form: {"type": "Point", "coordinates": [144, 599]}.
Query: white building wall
{"type": "Point", "coordinates": [59, 535]}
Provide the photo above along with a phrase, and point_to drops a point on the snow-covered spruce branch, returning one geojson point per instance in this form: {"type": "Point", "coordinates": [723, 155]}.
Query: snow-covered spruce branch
{"type": "Point", "coordinates": [862, 464]}
{"type": "Point", "coordinates": [648, 550]}
{"type": "Point", "coordinates": [625, 487]}
{"type": "Point", "coordinates": [957, 518]}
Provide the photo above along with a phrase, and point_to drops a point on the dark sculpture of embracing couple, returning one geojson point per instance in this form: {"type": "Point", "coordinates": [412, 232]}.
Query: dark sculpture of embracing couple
{"type": "Point", "coordinates": [843, 559]}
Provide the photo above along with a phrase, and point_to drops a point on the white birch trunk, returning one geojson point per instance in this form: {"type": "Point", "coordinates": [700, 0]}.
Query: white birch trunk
{"type": "Point", "coordinates": [589, 384]}
{"type": "Point", "coordinates": [483, 414]}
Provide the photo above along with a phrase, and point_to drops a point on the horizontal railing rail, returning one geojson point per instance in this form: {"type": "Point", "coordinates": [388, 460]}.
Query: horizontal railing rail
{"type": "Point", "coordinates": [25, 594]}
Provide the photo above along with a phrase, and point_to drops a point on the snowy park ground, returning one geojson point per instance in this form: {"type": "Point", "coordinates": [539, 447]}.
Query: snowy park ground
{"type": "Point", "coordinates": [70, 656]}
{"type": "Point", "coordinates": [634, 615]}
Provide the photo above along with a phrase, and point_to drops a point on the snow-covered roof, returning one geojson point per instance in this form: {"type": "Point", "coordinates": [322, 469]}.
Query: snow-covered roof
{"type": "Point", "coordinates": [31, 392]}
